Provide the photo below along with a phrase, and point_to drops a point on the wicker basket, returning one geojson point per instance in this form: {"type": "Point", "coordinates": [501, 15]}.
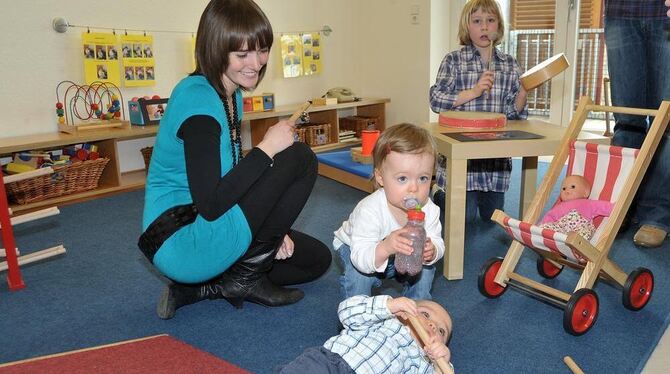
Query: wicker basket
{"type": "Point", "coordinates": [314, 134]}
{"type": "Point", "coordinates": [65, 180]}
{"type": "Point", "coordinates": [358, 124]}
{"type": "Point", "coordinates": [146, 154]}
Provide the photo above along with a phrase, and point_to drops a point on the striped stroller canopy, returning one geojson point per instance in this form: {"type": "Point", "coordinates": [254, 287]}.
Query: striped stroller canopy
{"type": "Point", "coordinates": [606, 167]}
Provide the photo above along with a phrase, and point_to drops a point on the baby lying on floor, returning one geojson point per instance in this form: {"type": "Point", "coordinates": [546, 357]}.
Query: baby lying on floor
{"type": "Point", "coordinates": [377, 337]}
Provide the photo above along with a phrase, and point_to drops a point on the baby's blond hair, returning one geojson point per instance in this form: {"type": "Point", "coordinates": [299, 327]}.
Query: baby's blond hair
{"type": "Point", "coordinates": [402, 138]}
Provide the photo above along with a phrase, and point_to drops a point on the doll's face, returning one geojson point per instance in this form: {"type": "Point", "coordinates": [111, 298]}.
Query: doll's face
{"type": "Point", "coordinates": [575, 187]}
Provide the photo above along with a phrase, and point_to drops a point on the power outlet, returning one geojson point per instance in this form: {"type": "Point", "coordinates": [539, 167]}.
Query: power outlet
{"type": "Point", "coordinates": [414, 14]}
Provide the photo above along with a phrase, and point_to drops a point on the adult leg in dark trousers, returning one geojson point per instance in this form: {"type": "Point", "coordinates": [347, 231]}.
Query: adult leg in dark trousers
{"type": "Point", "coordinates": [642, 80]}
{"type": "Point", "coordinates": [271, 207]}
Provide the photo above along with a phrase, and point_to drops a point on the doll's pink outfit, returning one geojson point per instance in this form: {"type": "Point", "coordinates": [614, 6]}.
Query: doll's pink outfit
{"type": "Point", "coordinates": [576, 216]}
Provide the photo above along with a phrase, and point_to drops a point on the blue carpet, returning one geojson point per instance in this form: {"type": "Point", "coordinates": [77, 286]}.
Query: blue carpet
{"type": "Point", "coordinates": [103, 291]}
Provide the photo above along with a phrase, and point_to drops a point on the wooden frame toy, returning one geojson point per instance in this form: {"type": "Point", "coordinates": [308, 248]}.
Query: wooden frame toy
{"type": "Point", "coordinates": [81, 107]}
{"type": "Point", "coordinates": [615, 174]}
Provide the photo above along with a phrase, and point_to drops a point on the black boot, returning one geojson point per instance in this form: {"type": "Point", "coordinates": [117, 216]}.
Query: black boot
{"type": "Point", "coordinates": [177, 295]}
{"type": "Point", "coordinates": [248, 279]}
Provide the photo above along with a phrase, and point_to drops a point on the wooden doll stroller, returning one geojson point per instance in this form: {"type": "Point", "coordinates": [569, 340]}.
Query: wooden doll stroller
{"type": "Point", "coordinates": [615, 174]}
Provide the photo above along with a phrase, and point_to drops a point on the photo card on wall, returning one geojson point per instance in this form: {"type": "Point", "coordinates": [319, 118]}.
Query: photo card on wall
{"type": "Point", "coordinates": [137, 54]}
{"type": "Point", "coordinates": [291, 55]}
{"type": "Point", "coordinates": [100, 58]}
{"type": "Point", "coordinates": [311, 46]}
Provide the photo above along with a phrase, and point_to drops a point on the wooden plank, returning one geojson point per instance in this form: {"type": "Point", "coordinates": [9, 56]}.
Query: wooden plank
{"type": "Point", "coordinates": [27, 175]}
{"type": "Point", "coordinates": [77, 197]}
{"type": "Point", "coordinates": [541, 287]}
{"type": "Point", "coordinates": [287, 110]}
{"type": "Point", "coordinates": [48, 212]}
{"type": "Point", "coordinates": [36, 256]}
{"type": "Point", "coordinates": [52, 140]}
{"type": "Point", "coordinates": [77, 351]}
{"type": "Point", "coordinates": [111, 175]}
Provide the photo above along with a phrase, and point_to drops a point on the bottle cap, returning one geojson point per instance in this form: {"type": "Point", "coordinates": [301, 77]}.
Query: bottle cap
{"type": "Point", "coordinates": [416, 215]}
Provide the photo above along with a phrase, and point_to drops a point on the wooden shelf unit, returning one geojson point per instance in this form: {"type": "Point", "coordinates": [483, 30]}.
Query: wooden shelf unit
{"type": "Point", "coordinates": [259, 122]}
{"type": "Point", "coordinates": [111, 181]}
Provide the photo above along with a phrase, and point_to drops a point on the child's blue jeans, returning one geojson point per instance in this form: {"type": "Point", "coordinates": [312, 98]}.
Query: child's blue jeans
{"type": "Point", "coordinates": [356, 283]}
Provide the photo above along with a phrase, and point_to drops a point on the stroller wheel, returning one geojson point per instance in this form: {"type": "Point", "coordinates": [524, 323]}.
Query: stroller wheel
{"type": "Point", "coordinates": [638, 288]}
{"type": "Point", "coordinates": [581, 312]}
{"type": "Point", "coordinates": [487, 274]}
{"type": "Point", "coordinates": [547, 269]}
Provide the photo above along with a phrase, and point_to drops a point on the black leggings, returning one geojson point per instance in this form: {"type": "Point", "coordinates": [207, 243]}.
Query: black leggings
{"type": "Point", "coordinates": [272, 205]}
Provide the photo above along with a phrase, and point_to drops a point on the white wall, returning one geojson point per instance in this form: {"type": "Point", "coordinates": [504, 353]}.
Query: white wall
{"type": "Point", "coordinates": [374, 49]}
{"type": "Point", "coordinates": [36, 58]}
{"type": "Point", "coordinates": [444, 21]}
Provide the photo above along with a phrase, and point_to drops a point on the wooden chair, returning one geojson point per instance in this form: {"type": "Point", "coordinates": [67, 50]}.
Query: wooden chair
{"type": "Point", "coordinates": [615, 174]}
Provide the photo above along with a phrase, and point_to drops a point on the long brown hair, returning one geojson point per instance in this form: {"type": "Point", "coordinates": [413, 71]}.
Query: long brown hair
{"type": "Point", "coordinates": [226, 26]}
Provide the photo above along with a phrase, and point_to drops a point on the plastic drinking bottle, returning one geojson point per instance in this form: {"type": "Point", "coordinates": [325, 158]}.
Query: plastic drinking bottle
{"type": "Point", "coordinates": [415, 231]}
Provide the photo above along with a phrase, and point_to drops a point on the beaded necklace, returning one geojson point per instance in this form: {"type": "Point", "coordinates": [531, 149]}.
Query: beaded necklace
{"type": "Point", "coordinates": [234, 128]}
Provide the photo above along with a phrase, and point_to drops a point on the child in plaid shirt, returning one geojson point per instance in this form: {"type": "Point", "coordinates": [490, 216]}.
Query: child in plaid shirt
{"type": "Point", "coordinates": [377, 338]}
{"type": "Point", "coordinates": [462, 80]}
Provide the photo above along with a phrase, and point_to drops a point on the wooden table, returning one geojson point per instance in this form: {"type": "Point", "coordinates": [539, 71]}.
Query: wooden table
{"type": "Point", "coordinates": [458, 153]}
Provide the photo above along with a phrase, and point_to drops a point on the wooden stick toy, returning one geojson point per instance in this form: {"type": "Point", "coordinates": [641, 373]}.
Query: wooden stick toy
{"type": "Point", "coordinates": [423, 335]}
{"type": "Point", "coordinates": [492, 38]}
{"type": "Point", "coordinates": [572, 365]}
{"type": "Point", "coordinates": [299, 112]}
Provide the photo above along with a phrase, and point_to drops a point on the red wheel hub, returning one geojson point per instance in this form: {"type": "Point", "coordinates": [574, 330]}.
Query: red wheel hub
{"type": "Point", "coordinates": [549, 269]}
{"type": "Point", "coordinates": [490, 285]}
{"type": "Point", "coordinates": [640, 290]}
{"type": "Point", "coordinates": [584, 313]}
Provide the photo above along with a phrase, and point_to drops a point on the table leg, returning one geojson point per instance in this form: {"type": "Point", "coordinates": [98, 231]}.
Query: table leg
{"type": "Point", "coordinates": [454, 217]}
{"type": "Point", "coordinates": [528, 184]}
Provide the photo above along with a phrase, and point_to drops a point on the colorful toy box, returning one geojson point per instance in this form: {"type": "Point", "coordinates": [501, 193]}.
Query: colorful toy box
{"type": "Point", "coordinates": [259, 103]}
